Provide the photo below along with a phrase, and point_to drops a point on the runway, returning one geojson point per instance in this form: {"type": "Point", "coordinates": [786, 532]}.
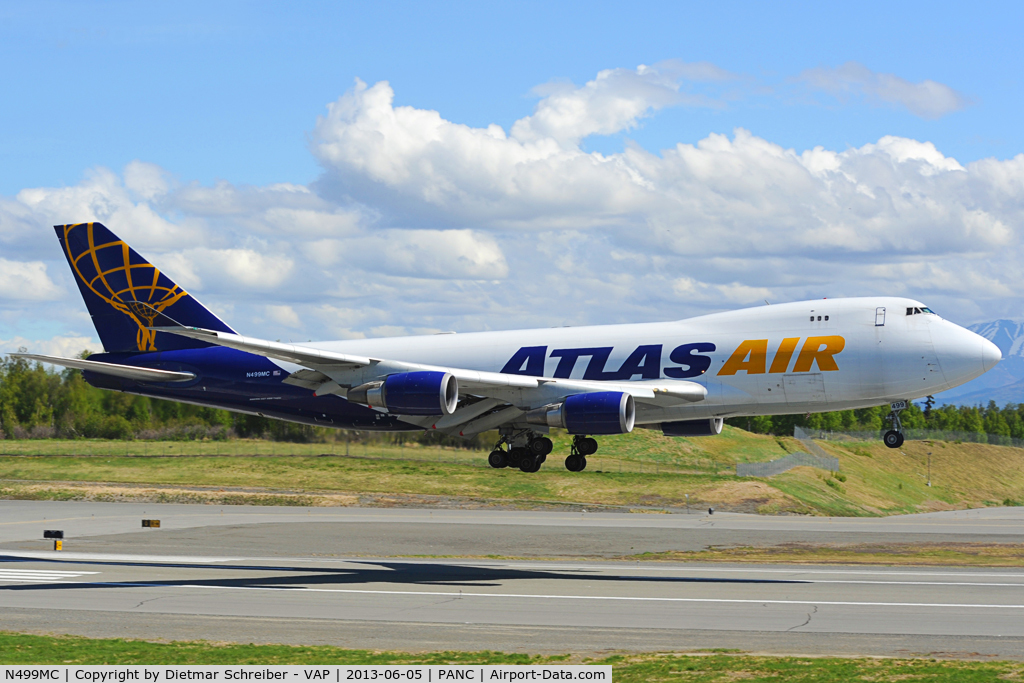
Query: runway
{"type": "Point", "coordinates": [235, 576]}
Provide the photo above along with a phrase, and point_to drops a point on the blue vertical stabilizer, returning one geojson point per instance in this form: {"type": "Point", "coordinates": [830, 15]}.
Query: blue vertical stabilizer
{"type": "Point", "coordinates": [126, 294]}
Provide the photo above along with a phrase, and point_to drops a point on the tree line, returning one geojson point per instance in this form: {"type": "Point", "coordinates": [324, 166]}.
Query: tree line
{"type": "Point", "coordinates": [1007, 421]}
{"type": "Point", "coordinates": [39, 403]}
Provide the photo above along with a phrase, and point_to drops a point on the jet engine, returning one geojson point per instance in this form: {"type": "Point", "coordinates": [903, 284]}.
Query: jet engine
{"type": "Point", "coordinates": [709, 427]}
{"type": "Point", "coordinates": [410, 393]}
{"type": "Point", "coordinates": [601, 412]}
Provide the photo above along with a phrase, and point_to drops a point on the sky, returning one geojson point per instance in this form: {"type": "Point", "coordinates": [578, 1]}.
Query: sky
{"type": "Point", "coordinates": [344, 170]}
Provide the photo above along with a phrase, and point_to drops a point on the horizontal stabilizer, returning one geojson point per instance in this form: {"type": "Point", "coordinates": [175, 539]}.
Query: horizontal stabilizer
{"type": "Point", "coordinates": [114, 369]}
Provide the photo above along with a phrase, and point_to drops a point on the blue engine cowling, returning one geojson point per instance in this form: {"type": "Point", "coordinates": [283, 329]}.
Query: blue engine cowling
{"type": "Point", "coordinates": [411, 393]}
{"type": "Point", "coordinates": [709, 427]}
{"type": "Point", "coordinates": [600, 412]}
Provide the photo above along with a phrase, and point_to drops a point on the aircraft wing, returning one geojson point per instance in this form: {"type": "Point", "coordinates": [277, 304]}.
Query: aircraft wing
{"type": "Point", "coordinates": [301, 355]}
{"type": "Point", "coordinates": [332, 372]}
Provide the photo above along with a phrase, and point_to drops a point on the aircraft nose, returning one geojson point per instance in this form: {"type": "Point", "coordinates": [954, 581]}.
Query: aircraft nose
{"type": "Point", "coordinates": [962, 354]}
{"type": "Point", "coordinates": [990, 354]}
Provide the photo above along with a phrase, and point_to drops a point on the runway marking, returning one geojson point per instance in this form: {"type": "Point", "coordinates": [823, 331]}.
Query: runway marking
{"type": "Point", "coordinates": [533, 596]}
{"type": "Point", "coordinates": [803, 575]}
{"type": "Point", "coordinates": [64, 557]}
{"type": "Point", "coordinates": [56, 519]}
{"type": "Point", "coordinates": [864, 582]}
{"type": "Point", "coordinates": [840, 603]}
{"type": "Point", "coordinates": [619, 577]}
{"type": "Point", "coordinates": [38, 575]}
{"type": "Point", "coordinates": [752, 570]}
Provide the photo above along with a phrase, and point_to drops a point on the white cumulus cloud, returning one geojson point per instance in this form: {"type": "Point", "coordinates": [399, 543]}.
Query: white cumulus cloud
{"type": "Point", "coordinates": [283, 315]}
{"type": "Point", "coordinates": [247, 267]}
{"type": "Point", "coordinates": [612, 102]}
{"type": "Point", "coordinates": [928, 99]}
{"type": "Point", "coordinates": [65, 346]}
{"type": "Point", "coordinates": [421, 223]}
{"type": "Point", "coordinates": [26, 281]}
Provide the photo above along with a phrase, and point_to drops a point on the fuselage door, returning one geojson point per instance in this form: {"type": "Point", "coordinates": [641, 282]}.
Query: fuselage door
{"type": "Point", "coordinates": [880, 316]}
{"type": "Point", "coordinates": [805, 389]}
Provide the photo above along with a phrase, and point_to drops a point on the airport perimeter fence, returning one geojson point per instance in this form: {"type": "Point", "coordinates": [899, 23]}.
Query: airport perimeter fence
{"type": "Point", "coordinates": [914, 435]}
{"type": "Point", "coordinates": [773, 467]}
{"type": "Point", "coordinates": [819, 458]}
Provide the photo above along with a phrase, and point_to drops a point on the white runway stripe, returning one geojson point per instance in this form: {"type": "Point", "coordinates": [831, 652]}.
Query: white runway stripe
{"type": "Point", "coordinates": [38, 575]}
{"type": "Point", "coordinates": [429, 594]}
{"type": "Point", "coordinates": [796, 572]}
{"type": "Point", "coordinates": [49, 555]}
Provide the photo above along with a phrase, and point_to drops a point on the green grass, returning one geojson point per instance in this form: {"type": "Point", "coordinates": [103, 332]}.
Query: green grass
{"type": "Point", "coordinates": [715, 666]}
{"type": "Point", "coordinates": [640, 470]}
{"type": "Point", "coordinates": [351, 475]}
{"type": "Point", "coordinates": [16, 648]}
{"type": "Point", "coordinates": [246, 447]}
{"type": "Point", "coordinates": [898, 554]}
{"type": "Point", "coordinates": [642, 451]}
{"type": "Point", "coordinates": [729, 668]}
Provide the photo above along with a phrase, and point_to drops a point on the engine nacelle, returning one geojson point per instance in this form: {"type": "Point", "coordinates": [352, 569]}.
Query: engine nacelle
{"type": "Point", "coordinates": [600, 412]}
{"type": "Point", "coordinates": [410, 393]}
{"type": "Point", "coordinates": [709, 427]}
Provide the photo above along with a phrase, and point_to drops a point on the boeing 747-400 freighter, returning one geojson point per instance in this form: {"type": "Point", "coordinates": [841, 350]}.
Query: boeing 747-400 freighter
{"type": "Point", "coordinates": [682, 377]}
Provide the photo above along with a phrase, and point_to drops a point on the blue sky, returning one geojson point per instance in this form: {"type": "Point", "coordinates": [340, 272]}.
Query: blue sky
{"type": "Point", "coordinates": [231, 89]}
{"type": "Point", "coordinates": [219, 102]}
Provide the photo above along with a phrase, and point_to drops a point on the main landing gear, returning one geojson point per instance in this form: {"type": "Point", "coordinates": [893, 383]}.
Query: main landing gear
{"type": "Point", "coordinates": [894, 437]}
{"type": "Point", "coordinates": [527, 451]}
{"type": "Point", "coordinates": [582, 446]}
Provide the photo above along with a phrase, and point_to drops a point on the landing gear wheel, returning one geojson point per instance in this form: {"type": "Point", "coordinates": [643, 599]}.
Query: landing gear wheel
{"type": "Point", "coordinates": [541, 446]}
{"type": "Point", "coordinates": [584, 445]}
{"type": "Point", "coordinates": [497, 459]}
{"type": "Point", "coordinates": [529, 464]}
{"type": "Point", "coordinates": [893, 439]}
{"type": "Point", "coordinates": [516, 456]}
{"type": "Point", "coordinates": [575, 463]}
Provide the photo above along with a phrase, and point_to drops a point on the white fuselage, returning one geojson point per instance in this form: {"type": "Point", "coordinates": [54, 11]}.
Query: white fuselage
{"type": "Point", "coordinates": [810, 356]}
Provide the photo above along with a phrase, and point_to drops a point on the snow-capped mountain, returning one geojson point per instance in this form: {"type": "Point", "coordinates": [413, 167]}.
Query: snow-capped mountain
{"type": "Point", "coordinates": [1005, 382]}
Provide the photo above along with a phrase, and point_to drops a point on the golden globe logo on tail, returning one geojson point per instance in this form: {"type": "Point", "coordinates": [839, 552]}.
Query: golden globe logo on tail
{"type": "Point", "coordinates": [135, 289]}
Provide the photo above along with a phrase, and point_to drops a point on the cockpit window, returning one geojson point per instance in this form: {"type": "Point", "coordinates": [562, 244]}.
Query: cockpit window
{"type": "Point", "coordinates": [927, 310]}
{"type": "Point", "coordinates": [914, 310]}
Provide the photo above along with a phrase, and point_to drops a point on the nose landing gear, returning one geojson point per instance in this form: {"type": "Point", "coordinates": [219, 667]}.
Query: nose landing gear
{"type": "Point", "coordinates": [894, 437]}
